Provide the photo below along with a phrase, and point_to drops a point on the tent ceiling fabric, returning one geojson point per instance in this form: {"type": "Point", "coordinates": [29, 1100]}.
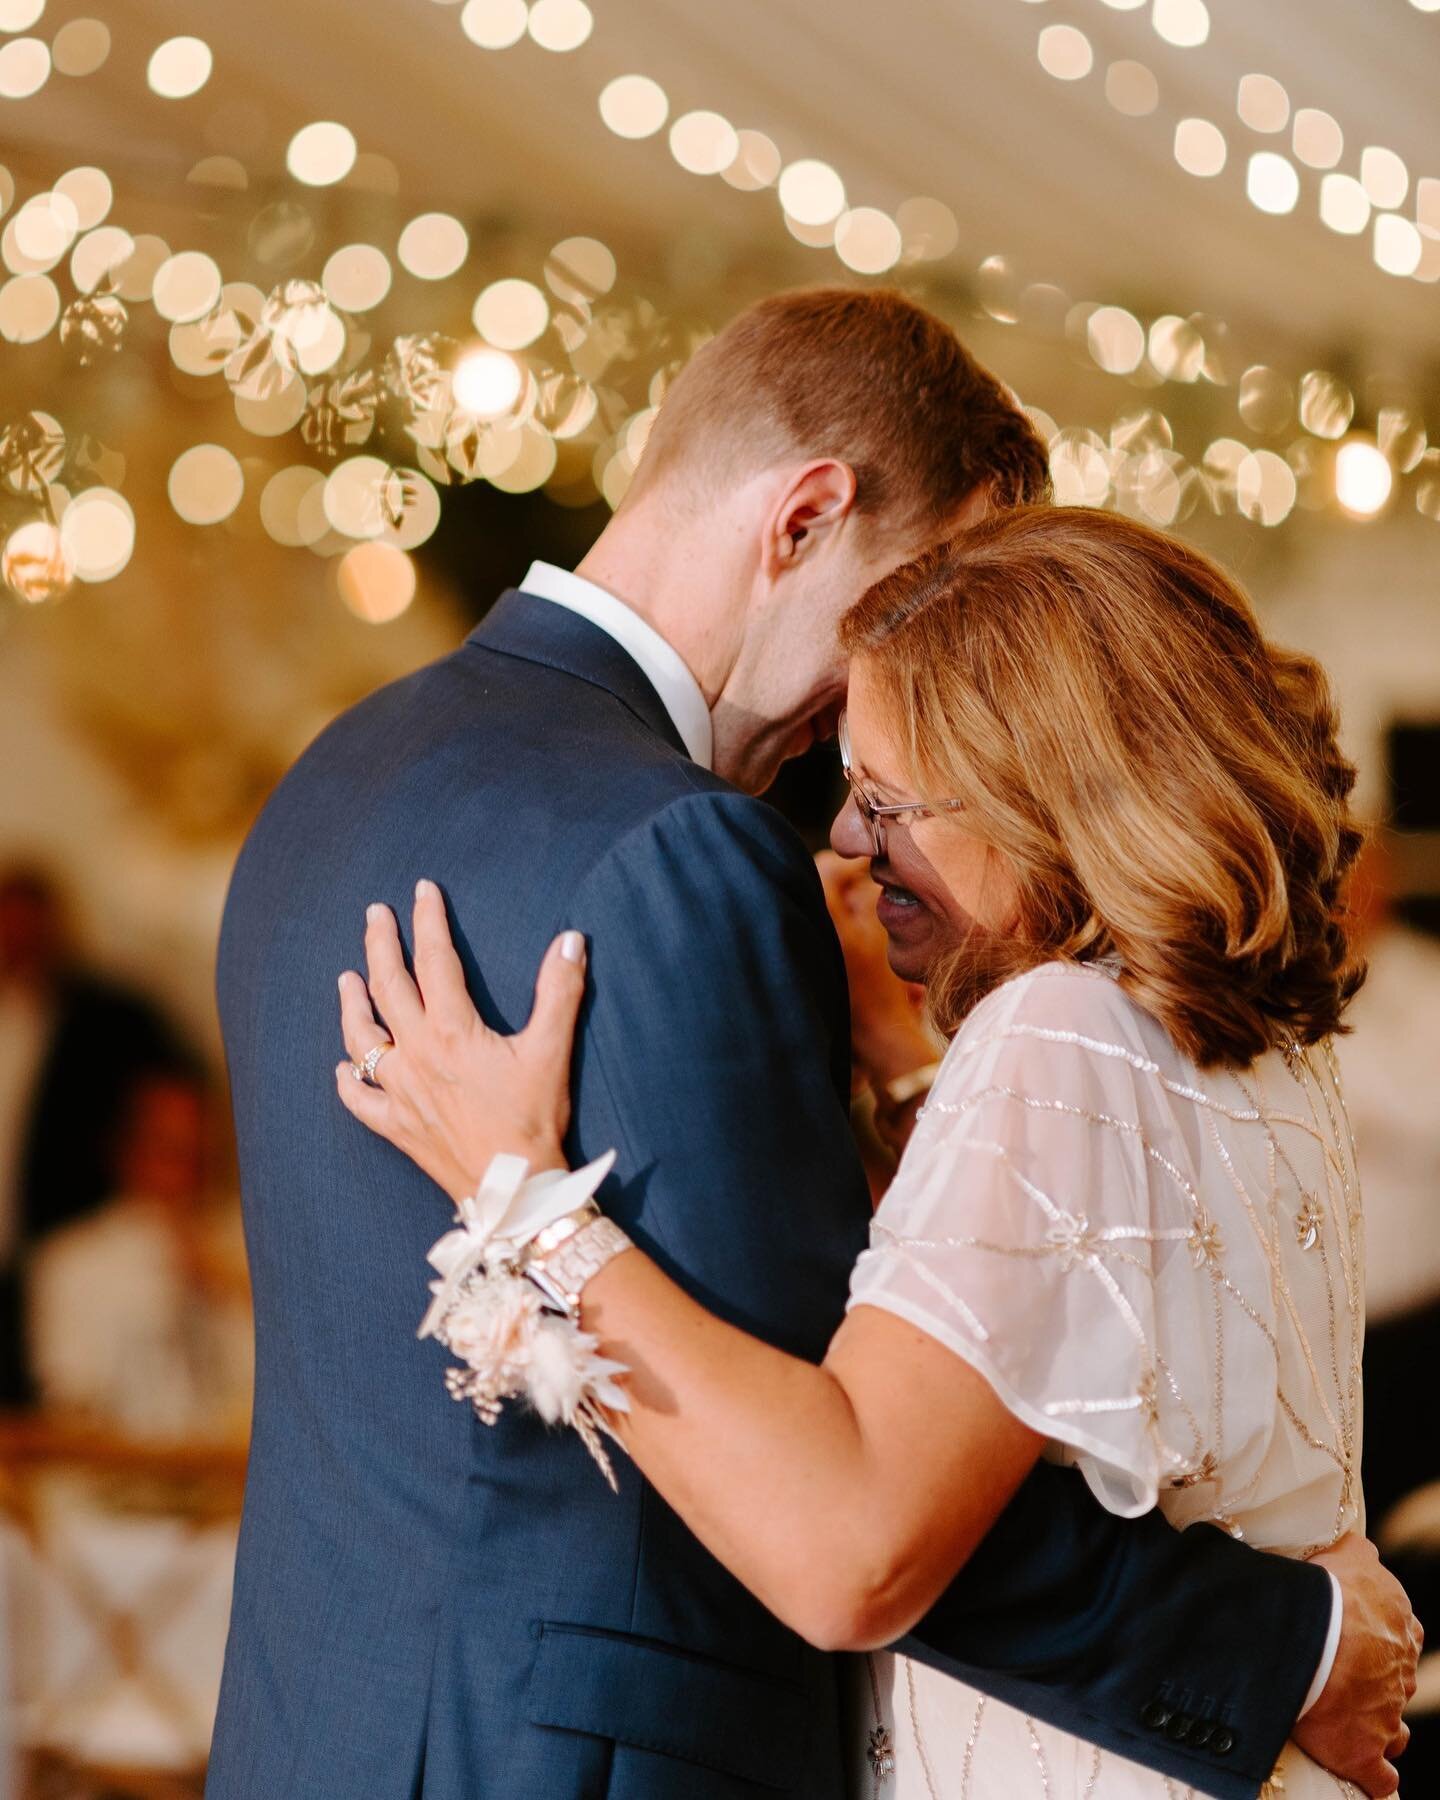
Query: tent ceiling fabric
{"type": "Point", "coordinates": [905, 97]}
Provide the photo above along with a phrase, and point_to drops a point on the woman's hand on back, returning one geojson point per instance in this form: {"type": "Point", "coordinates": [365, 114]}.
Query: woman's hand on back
{"type": "Point", "coordinates": [451, 1093]}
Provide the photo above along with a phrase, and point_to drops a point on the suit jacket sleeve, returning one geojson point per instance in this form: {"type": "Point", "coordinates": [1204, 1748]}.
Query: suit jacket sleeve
{"type": "Point", "coordinates": [714, 1052]}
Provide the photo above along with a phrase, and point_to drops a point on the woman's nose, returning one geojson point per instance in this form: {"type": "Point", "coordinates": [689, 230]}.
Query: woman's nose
{"type": "Point", "coordinates": [849, 835]}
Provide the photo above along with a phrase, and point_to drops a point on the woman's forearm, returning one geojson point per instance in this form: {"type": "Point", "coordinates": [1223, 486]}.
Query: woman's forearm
{"type": "Point", "coordinates": [817, 1487]}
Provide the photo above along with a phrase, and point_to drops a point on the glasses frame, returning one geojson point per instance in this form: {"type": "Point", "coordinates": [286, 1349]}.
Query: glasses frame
{"type": "Point", "coordinates": [872, 811]}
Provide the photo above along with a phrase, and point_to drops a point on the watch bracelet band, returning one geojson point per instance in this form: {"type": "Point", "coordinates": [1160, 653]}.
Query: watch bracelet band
{"type": "Point", "coordinates": [562, 1273]}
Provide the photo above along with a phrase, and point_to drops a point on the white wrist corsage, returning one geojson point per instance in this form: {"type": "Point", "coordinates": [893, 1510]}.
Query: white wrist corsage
{"type": "Point", "coordinates": [515, 1338]}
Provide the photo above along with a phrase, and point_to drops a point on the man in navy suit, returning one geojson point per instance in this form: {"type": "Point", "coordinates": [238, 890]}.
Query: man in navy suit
{"type": "Point", "coordinates": [425, 1606]}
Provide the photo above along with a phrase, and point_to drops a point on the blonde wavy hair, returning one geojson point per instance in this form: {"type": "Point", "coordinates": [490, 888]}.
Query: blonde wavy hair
{"type": "Point", "coordinates": [1165, 783]}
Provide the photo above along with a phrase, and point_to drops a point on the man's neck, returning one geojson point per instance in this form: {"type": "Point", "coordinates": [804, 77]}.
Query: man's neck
{"type": "Point", "coordinates": [658, 587]}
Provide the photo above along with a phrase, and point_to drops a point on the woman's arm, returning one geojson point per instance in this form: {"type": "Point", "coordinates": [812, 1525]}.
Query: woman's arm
{"type": "Point", "coordinates": [845, 1496]}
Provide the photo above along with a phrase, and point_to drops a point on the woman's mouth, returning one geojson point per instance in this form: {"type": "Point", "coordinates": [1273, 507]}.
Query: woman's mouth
{"type": "Point", "coordinates": [897, 908]}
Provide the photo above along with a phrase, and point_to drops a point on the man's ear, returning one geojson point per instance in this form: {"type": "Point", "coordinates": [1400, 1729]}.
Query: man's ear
{"type": "Point", "coordinates": [814, 501]}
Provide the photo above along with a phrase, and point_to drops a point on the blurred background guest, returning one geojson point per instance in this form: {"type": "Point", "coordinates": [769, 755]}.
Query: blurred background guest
{"type": "Point", "coordinates": [137, 1312]}
{"type": "Point", "coordinates": [71, 1046]}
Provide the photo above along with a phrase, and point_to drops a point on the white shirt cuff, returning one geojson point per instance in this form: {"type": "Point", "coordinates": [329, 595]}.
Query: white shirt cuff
{"type": "Point", "coordinates": [1332, 1644]}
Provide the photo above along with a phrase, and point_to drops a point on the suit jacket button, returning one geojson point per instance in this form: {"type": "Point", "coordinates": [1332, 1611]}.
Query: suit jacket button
{"type": "Point", "coordinates": [1200, 1733]}
{"type": "Point", "coordinates": [1157, 1715]}
{"type": "Point", "coordinates": [1223, 1741]}
{"type": "Point", "coordinates": [1179, 1727]}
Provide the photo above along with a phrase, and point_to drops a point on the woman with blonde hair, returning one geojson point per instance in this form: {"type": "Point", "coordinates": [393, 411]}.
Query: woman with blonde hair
{"type": "Point", "coordinates": [1109, 821]}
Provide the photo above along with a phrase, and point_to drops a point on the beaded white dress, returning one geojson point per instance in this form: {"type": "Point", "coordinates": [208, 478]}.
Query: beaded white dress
{"type": "Point", "coordinates": [1158, 1267]}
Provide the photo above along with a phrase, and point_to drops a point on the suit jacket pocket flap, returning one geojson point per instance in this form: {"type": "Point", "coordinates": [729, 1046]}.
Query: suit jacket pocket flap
{"type": "Point", "coordinates": [655, 1696]}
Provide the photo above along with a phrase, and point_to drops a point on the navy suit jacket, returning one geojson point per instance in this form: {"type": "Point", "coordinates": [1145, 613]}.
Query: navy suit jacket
{"type": "Point", "coordinates": [428, 1607]}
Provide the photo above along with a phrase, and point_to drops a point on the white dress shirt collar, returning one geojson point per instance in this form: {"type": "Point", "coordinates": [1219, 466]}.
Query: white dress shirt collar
{"type": "Point", "coordinates": [660, 662]}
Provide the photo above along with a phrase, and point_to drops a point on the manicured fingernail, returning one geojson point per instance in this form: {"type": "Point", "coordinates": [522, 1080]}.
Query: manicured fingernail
{"type": "Point", "coordinates": [375, 913]}
{"type": "Point", "coordinates": [342, 984]}
{"type": "Point", "coordinates": [424, 889]}
{"type": "Point", "coordinates": [572, 946]}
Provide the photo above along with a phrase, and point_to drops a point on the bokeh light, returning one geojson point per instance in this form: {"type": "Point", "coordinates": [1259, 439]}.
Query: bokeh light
{"type": "Point", "coordinates": [487, 382]}
{"type": "Point", "coordinates": [1265, 487]}
{"type": "Point", "coordinates": [579, 270]}
{"type": "Point", "coordinates": [321, 154]}
{"type": "Point", "coordinates": [206, 484]}
{"type": "Point", "coordinates": [24, 68]}
{"type": "Point", "coordinates": [81, 47]}
{"type": "Point", "coordinates": [634, 106]}
{"type": "Point", "coordinates": [1383, 176]}
{"type": "Point", "coordinates": [1318, 140]}
{"type": "Point", "coordinates": [1344, 204]}
{"type": "Point", "coordinates": [867, 240]}
{"type": "Point", "coordinates": [186, 286]}
{"type": "Point", "coordinates": [97, 533]}
{"type": "Point", "coordinates": [1271, 182]}
{"type": "Point", "coordinates": [1184, 23]}
{"type": "Point", "coordinates": [495, 24]}
{"type": "Point", "coordinates": [703, 142]}
{"type": "Point", "coordinates": [1132, 89]}
{"type": "Point", "coordinates": [357, 277]}
{"type": "Point", "coordinates": [29, 308]}
{"type": "Point", "coordinates": [511, 314]}
{"type": "Point", "coordinates": [1326, 405]}
{"type": "Point", "coordinates": [811, 192]}
{"type": "Point", "coordinates": [1262, 103]}
{"type": "Point", "coordinates": [376, 581]}
{"type": "Point", "coordinates": [1199, 147]}
{"type": "Point", "coordinates": [35, 563]}
{"type": "Point", "coordinates": [1116, 339]}
{"type": "Point", "coordinates": [1065, 52]}
{"type": "Point", "coordinates": [560, 25]}
{"type": "Point", "coordinates": [180, 67]}
{"type": "Point", "coordinates": [433, 246]}
{"type": "Point", "coordinates": [20, 15]}
{"type": "Point", "coordinates": [1398, 244]}
{"type": "Point", "coordinates": [1363, 478]}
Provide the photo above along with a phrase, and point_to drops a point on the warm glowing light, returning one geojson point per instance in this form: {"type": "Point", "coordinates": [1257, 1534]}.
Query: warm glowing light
{"type": "Point", "coordinates": [560, 24]}
{"type": "Point", "coordinates": [811, 192]}
{"type": "Point", "coordinates": [1116, 339]}
{"type": "Point", "coordinates": [487, 382]}
{"type": "Point", "coordinates": [1271, 182]}
{"type": "Point", "coordinates": [206, 484]}
{"type": "Point", "coordinates": [703, 142]}
{"type": "Point", "coordinates": [495, 24]}
{"type": "Point", "coordinates": [527, 462]}
{"type": "Point", "coordinates": [45, 228]}
{"type": "Point", "coordinates": [511, 314]}
{"type": "Point", "coordinates": [355, 495]}
{"type": "Point", "coordinates": [1318, 139]}
{"type": "Point", "coordinates": [180, 67]}
{"type": "Point", "coordinates": [634, 106]}
{"type": "Point", "coordinates": [98, 254]}
{"type": "Point", "coordinates": [1401, 435]}
{"type": "Point", "coordinates": [579, 270]}
{"type": "Point", "coordinates": [292, 506]}
{"type": "Point", "coordinates": [29, 308]}
{"type": "Point", "coordinates": [186, 286]}
{"type": "Point", "coordinates": [1326, 405]}
{"type": "Point", "coordinates": [376, 582]}
{"type": "Point", "coordinates": [1199, 147]}
{"type": "Point", "coordinates": [1398, 244]}
{"type": "Point", "coordinates": [928, 229]}
{"type": "Point", "coordinates": [1363, 478]}
{"type": "Point", "coordinates": [433, 246]}
{"type": "Point", "coordinates": [97, 533]}
{"type": "Point", "coordinates": [1265, 487]}
{"type": "Point", "coordinates": [1176, 348]}
{"type": "Point", "coordinates": [1184, 23]}
{"type": "Point", "coordinates": [1065, 53]}
{"type": "Point", "coordinates": [35, 563]}
{"type": "Point", "coordinates": [81, 47]}
{"type": "Point", "coordinates": [89, 191]}
{"type": "Point", "coordinates": [756, 164]}
{"type": "Point", "coordinates": [20, 15]}
{"type": "Point", "coordinates": [24, 68]}
{"type": "Point", "coordinates": [1383, 176]}
{"type": "Point", "coordinates": [1265, 400]}
{"type": "Point", "coordinates": [321, 154]}
{"type": "Point", "coordinates": [357, 277]}
{"type": "Point", "coordinates": [1132, 89]}
{"type": "Point", "coordinates": [1262, 103]}
{"type": "Point", "coordinates": [1344, 205]}
{"type": "Point", "coordinates": [867, 240]}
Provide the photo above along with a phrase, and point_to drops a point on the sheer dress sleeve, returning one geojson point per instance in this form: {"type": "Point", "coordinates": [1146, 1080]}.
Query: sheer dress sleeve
{"type": "Point", "coordinates": [1042, 1196]}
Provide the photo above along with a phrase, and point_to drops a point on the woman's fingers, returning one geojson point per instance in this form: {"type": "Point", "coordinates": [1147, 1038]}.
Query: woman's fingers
{"type": "Point", "coordinates": [559, 991]}
{"type": "Point", "coordinates": [437, 967]}
{"type": "Point", "coordinates": [358, 1025]}
{"type": "Point", "coordinates": [395, 993]}
{"type": "Point", "coordinates": [368, 1104]}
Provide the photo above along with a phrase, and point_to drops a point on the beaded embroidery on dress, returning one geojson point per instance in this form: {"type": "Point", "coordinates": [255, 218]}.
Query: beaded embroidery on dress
{"type": "Point", "coordinates": [1160, 1269]}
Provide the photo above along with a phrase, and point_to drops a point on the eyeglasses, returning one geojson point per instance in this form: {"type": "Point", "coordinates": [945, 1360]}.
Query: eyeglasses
{"type": "Point", "coordinates": [870, 809]}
